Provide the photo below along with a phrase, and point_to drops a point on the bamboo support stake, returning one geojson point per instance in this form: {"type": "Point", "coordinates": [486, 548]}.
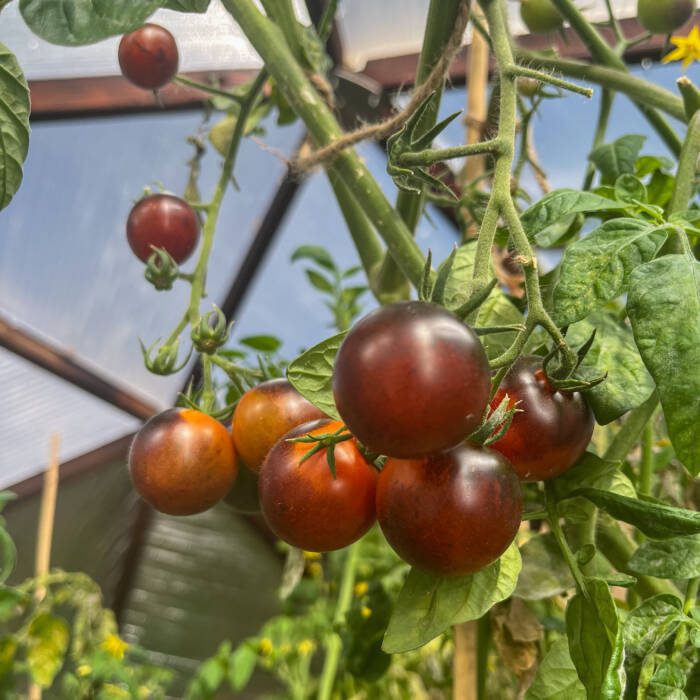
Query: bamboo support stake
{"type": "Point", "coordinates": [464, 663]}
{"type": "Point", "coordinates": [47, 512]}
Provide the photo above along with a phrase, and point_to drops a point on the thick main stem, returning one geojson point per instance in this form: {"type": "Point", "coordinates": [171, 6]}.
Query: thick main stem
{"type": "Point", "coordinates": [324, 129]}
{"type": "Point", "coordinates": [334, 644]}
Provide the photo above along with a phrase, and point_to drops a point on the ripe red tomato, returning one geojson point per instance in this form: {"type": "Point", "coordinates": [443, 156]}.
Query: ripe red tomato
{"type": "Point", "coordinates": [411, 379]}
{"type": "Point", "coordinates": [304, 505]}
{"type": "Point", "coordinates": [664, 16]}
{"type": "Point", "coordinates": [148, 56]}
{"type": "Point", "coordinates": [264, 414]}
{"type": "Point", "coordinates": [552, 431]}
{"type": "Point", "coordinates": [450, 513]}
{"type": "Point", "coordinates": [540, 16]}
{"type": "Point", "coordinates": [163, 221]}
{"type": "Point", "coordinates": [182, 461]}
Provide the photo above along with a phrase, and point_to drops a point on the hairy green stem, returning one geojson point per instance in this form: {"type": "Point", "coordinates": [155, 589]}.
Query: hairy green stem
{"type": "Point", "coordinates": [686, 177]}
{"type": "Point", "coordinates": [543, 77]}
{"type": "Point", "coordinates": [334, 644]}
{"type": "Point", "coordinates": [324, 129]}
{"type": "Point", "coordinates": [199, 275]}
{"type": "Point", "coordinates": [621, 81]}
{"type": "Point", "coordinates": [325, 25]}
{"type": "Point", "coordinates": [606, 102]}
{"type": "Point", "coordinates": [690, 95]}
{"type": "Point", "coordinates": [436, 155]}
{"type": "Point", "coordinates": [442, 15]}
{"type": "Point", "coordinates": [646, 467]}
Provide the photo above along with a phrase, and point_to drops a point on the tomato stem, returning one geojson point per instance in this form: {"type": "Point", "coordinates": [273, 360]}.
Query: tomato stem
{"type": "Point", "coordinates": [334, 643]}
{"type": "Point", "coordinates": [209, 89]}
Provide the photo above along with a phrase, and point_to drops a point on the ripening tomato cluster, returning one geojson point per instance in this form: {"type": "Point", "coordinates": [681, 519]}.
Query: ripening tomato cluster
{"type": "Point", "coordinates": [411, 382]}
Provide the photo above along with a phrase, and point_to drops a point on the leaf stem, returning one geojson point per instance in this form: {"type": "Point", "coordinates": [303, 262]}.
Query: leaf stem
{"type": "Point", "coordinates": [436, 155]}
{"type": "Point", "coordinates": [606, 102]}
{"type": "Point", "coordinates": [543, 77]}
{"type": "Point", "coordinates": [334, 643]}
{"type": "Point", "coordinates": [209, 89]}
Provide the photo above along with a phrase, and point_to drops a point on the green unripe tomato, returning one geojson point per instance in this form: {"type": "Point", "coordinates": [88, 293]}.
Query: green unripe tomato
{"type": "Point", "coordinates": [664, 16]}
{"type": "Point", "coordinates": [528, 87]}
{"type": "Point", "coordinates": [540, 16]}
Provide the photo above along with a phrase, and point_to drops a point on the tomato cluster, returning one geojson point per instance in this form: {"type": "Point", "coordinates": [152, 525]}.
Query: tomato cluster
{"type": "Point", "coordinates": [411, 382]}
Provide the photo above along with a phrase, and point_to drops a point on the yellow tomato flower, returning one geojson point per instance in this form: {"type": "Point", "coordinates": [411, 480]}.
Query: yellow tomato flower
{"type": "Point", "coordinates": [366, 612]}
{"type": "Point", "coordinates": [361, 587]}
{"type": "Point", "coordinates": [266, 646]}
{"type": "Point", "coordinates": [83, 670]}
{"type": "Point", "coordinates": [114, 645]}
{"type": "Point", "coordinates": [306, 646]}
{"type": "Point", "coordinates": [687, 48]}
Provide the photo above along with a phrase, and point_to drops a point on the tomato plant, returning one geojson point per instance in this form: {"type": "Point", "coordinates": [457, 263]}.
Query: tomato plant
{"type": "Point", "coordinates": [264, 414]}
{"type": "Point", "coordinates": [162, 221]}
{"type": "Point", "coordinates": [148, 56]}
{"type": "Point", "coordinates": [540, 16]}
{"type": "Point", "coordinates": [664, 16]}
{"type": "Point", "coordinates": [182, 461]}
{"type": "Point", "coordinates": [310, 504]}
{"type": "Point", "coordinates": [451, 513]}
{"type": "Point", "coordinates": [552, 428]}
{"type": "Point", "coordinates": [410, 379]}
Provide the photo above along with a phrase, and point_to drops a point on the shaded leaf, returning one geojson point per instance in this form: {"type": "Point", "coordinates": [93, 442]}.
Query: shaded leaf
{"type": "Point", "coordinates": [317, 254]}
{"type": "Point", "coordinates": [76, 22]}
{"type": "Point", "coordinates": [427, 605]}
{"type": "Point", "coordinates": [617, 158]}
{"type": "Point", "coordinates": [628, 384]}
{"type": "Point", "coordinates": [664, 308]}
{"type": "Point", "coordinates": [596, 269]}
{"type": "Point", "coordinates": [14, 125]}
{"type": "Point", "coordinates": [311, 374]}
{"type": "Point", "coordinates": [677, 558]}
{"type": "Point", "coordinates": [47, 642]}
{"type": "Point", "coordinates": [545, 573]}
{"type": "Point", "coordinates": [556, 677]}
{"type": "Point", "coordinates": [187, 5]}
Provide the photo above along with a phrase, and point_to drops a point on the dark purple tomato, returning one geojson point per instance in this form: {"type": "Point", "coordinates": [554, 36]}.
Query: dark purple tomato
{"type": "Point", "coordinates": [451, 513]}
{"type": "Point", "coordinates": [264, 414]}
{"type": "Point", "coordinates": [304, 505]}
{"type": "Point", "coordinates": [411, 379]}
{"type": "Point", "coordinates": [148, 56]}
{"type": "Point", "coordinates": [182, 461]}
{"type": "Point", "coordinates": [553, 429]}
{"type": "Point", "coordinates": [163, 221]}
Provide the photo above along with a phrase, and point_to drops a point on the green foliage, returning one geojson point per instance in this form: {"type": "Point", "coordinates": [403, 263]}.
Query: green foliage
{"type": "Point", "coordinates": [428, 605]}
{"type": "Point", "coordinates": [187, 5]}
{"type": "Point", "coordinates": [556, 677]}
{"type": "Point", "coordinates": [664, 308]}
{"type": "Point", "coordinates": [76, 22]}
{"type": "Point", "coordinates": [617, 158]}
{"type": "Point", "coordinates": [676, 558]}
{"type": "Point", "coordinates": [14, 125]}
{"type": "Point", "coordinates": [545, 573]}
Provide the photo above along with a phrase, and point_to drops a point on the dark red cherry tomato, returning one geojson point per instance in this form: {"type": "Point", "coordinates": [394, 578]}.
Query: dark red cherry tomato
{"type": "Point", "coordinates": [304, 505]}
{"type": "Point", "coordinates": [148, 56]}
{"type": "Point", "coordinates": [163, 221]}
{"type": "Point", "coordinates": [451, 513]}
{"type": "Point", "coordinates": [411, 379]}
{"type": "Point", "coordinates": [552, 431]}
{"type": "Point", "coordinates": [264, 414]}
{"type": "Point", "coordinates": [182, 461]}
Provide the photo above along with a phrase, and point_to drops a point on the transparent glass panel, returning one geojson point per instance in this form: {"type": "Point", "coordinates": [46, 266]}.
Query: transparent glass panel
{"type": "Point", "coordinates": [38, 404]}
{"type": "Point", "coordinates": [65, 267]}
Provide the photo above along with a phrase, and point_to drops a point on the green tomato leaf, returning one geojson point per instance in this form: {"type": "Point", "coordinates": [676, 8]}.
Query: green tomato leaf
{"type": "Point", "coordinates": [667, 682]}
{"type": "Point", "coordinates": [677, 558]}
{"type": "Point", "coordinates": [664, 307]}
{"type": "Point", "coordinates": [595, 641]}
{"type": "Point", "coordinates": [560, 204]}
{"type": "Point", "coordinates": [596, 269]}
{"type": "Point", "coordinates": [427, 605]}
{"type": "Point", "coordinates": [47, 643]}
{"type": "Point", "coordinates": [497, 310]}
{"type": "Point", "coordinates": [653, 518]}
{"type": "Point", "coordinates": [76, 22]}
{"type": "Point", "coordinates": [628, 383]}
{"type": "Point", "coordinates": [12, 602]}
{"type": "Point", "coordinates": [318, 281]}
{"type": "Point", "coordinates": [187, 5]}
{"type": "Point", "coordinates": [317, 254]}
{"type": "Point", "coordinates": [8, 648]}
{"type": "Point", "coordinates": [262, 343]}
{"type": "Point", "coordinates": [545, 573]}
{"type": "Point", "coordinates": [241, 666]}
{"type": "Point", "coordinates": [556, 677]}
{"type": "Point", "coordinates": [311, 374]}
{"type": "Point", "coordinates": [593, 472]}
{"type": "Point", "coordinates": [617, 158]}
{"type": "Point", "coordinates": [221, 133]}
{"type": "Point", "coordinates": [14, 125]}
{"type": "Point", "coordinates": [629, 188]}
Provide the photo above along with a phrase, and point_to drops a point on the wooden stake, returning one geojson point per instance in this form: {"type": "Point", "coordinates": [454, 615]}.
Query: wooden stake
{"type": "Point", "coordinates": [42, 559]}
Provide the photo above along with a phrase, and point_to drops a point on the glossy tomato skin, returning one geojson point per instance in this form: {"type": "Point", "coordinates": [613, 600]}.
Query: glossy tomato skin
{"type": "Point", "coordinates": [553, 429]}
{"type": "Point", "coordinates": [664, 16]}
{"type": "Point", "coordinates": [163, 221]}
{"type": "Point", "coordinates": [451, 513]}
{"type": "Point", "coordinates": [304, 505]}
{"type": "Point", "coordinates": [264, 414]}
{"type": "Point", "coordinates": [540, 16]}
{"type": "Point", "coordinates": [148, 56]}
{"type": "Point", "coordinates": [182, 461]}
{"type": "Point", "coordinates": [411, 379]}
